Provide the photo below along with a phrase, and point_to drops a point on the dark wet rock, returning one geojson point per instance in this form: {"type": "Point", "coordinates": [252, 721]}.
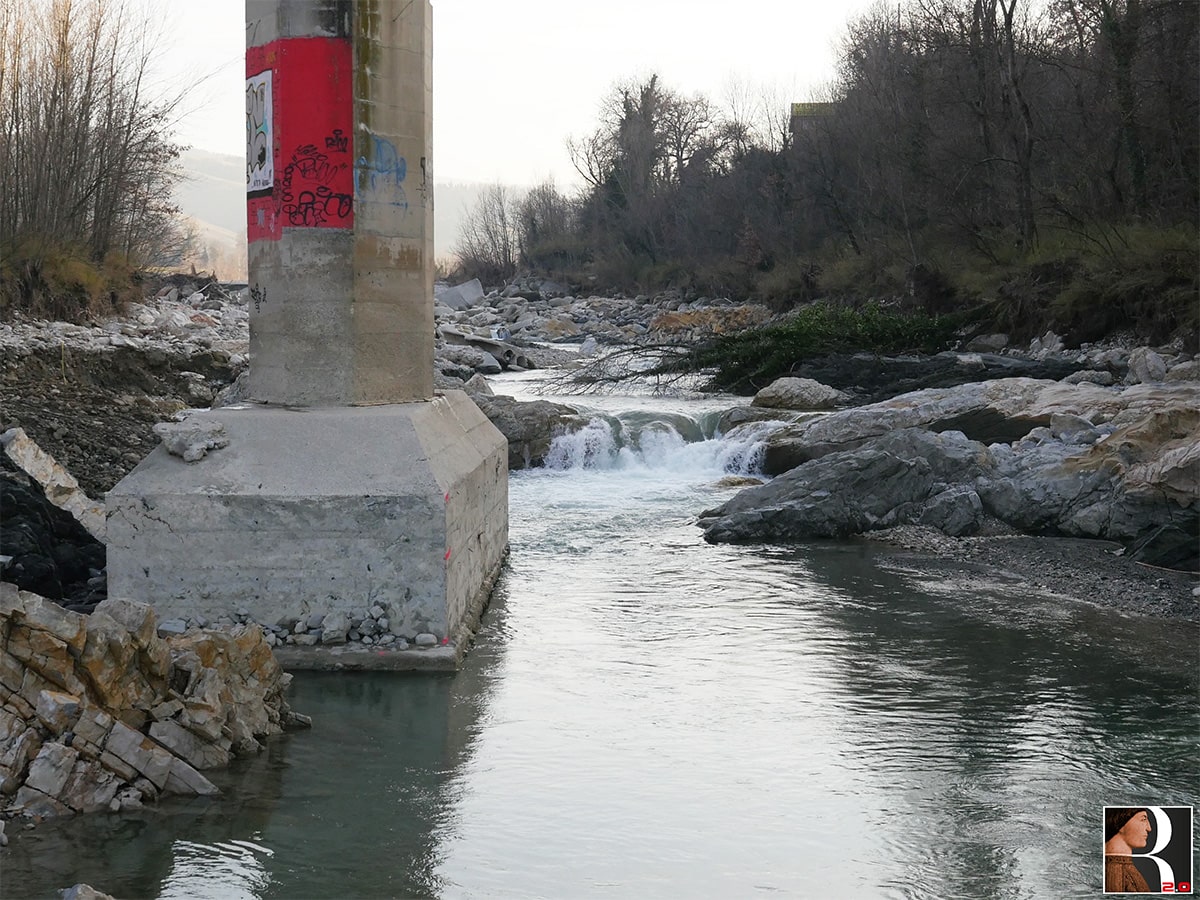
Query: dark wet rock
{"type": "Point", "coordinates": [529, 426]}
{"type": "Point", "coordinates": [879, 486]}
{"type": "Point", "coordinates": [51, 553]}
{"type": "Point", "coordinates": [1175, 545]}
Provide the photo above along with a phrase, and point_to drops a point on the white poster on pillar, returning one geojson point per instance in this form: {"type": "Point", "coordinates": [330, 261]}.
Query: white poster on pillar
{"type": "Point", "coordinates": [260, 157]}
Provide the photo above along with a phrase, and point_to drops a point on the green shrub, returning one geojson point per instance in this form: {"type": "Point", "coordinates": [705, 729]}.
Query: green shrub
{"type": "Point", "coordinates": [752, 358]}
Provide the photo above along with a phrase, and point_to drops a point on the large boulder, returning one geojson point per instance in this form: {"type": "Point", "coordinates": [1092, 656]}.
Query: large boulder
{"type": "Point", "coordinates": [999, 411]}
{"type": "Point", "coordinates": [1124, 468]}
{"type": "Point", "coordinates": [459, 297]}
{"type": "Point", "coordinates": [850, 492]}
{"type": "Point", "coordinates": [1146, 366]}
{"type": "Point", "coordinates": [529, 426]}
{"type": "Point", "coordinates": [799, 393]}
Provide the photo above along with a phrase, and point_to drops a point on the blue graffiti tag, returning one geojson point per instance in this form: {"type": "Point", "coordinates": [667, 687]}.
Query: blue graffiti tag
{"type": "Point", "coordinates": [383, 175]}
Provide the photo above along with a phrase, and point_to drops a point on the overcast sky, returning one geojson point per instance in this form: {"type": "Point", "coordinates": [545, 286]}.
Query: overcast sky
{"type": "Point", "coordinates": [513, 79]}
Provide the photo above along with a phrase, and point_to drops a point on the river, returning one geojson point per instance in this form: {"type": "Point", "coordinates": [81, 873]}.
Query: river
{"type": "Point", "coordinates": [648, 716]}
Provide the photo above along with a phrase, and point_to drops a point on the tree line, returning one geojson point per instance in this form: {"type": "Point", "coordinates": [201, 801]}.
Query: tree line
{"type": "Point", "coordinates": [1038, 160]}
{"type": "Point", "coordinates": [87, 163]}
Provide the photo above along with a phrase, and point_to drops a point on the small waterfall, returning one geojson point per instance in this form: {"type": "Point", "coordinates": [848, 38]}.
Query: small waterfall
{"type": "Point", "coordinates": [677, 443]}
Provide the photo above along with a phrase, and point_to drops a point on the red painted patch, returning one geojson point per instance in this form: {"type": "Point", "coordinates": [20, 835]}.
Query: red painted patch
{"type": "Point", "coordinates": [447, 556]}
{"type": "Point", "coordinates": [299, 111]}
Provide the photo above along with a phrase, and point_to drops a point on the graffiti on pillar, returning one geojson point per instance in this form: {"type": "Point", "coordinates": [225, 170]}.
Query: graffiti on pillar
{"type": "Point", "coordinates": [310, 192]}
{"type": "Point", "coordinates": [337, 141]}
{"type": "Point", "coordinates": [426, 181]}
{"type": "Point", "coordinates": [260, 156]}
{"type": "Point", "coordinates": [300, 89]}
{"type": "Point", "coordinates": [382, 175]}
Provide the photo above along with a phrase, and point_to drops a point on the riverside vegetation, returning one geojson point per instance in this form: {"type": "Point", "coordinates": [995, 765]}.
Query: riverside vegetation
{"type": "Point", "coordinates": [1024, 167]}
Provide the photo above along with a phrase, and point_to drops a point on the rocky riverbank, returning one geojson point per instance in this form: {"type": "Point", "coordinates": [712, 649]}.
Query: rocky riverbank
{"type": "Point", "coordinates": [105, 712]}
{"type": "Point", "coordinates": [91, 395]}
{"type": "Point", "coordinates": [997, 477]}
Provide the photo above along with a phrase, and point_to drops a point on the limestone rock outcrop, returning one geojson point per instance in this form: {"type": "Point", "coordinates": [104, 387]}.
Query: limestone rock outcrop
{"type": "Point", "coordinates": [1122, 465]}
{"type": "Point", "coordinates": [100, 712]}
{"type": "Point", "coordinates": [1003, 410]}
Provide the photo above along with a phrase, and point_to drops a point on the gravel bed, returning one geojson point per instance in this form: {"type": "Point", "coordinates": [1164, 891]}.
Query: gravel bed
{"type": "Point", "coordinates": [1088, 571]}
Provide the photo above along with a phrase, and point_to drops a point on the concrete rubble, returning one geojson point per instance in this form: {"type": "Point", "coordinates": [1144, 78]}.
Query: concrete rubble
{"type": "Point", "coordinates": [101, 713]}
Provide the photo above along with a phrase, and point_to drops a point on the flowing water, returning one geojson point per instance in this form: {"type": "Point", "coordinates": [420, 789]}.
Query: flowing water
{"type": "Point", "coordinates": [647, 716]}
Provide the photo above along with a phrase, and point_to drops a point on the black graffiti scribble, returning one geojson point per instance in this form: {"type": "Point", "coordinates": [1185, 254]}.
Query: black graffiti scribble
{"type": "Point", "coordinates": [337, 142]}
{"type": "Point", "coordinates": [307, 199]}
{"type": "Point", "coordinates": [312, 208]}
{"type": "Point", "coordinates": [259, 296]}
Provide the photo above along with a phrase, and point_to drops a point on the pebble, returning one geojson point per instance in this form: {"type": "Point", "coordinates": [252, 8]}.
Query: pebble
{"type": "Point", "coordinates": [170, 627]}
{"type": "Point", "coordinates": [425, 639]}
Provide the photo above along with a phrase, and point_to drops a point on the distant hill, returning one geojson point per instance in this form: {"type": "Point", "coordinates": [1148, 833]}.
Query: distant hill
{"type": "Point", "coordinates": [213, 189]}
{"type": "Point", "coordinates": [213, 195]}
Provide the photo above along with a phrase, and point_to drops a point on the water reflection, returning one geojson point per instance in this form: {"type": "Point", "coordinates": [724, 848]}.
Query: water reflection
{"type": "Point", "coordinates": [1000, 722]}
{"type": "Point", "coordinates": [227, 870]}
{"type": "Point", "coordinates": [134, 854]}
{"type": "Point", "coordinates": [351, 808]}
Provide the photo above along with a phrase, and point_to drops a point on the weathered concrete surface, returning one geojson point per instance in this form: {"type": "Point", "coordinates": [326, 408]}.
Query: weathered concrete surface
{"type": "Point", "coordinates": [369, 508]}
{"type": "Point", "coordinates": [319, 511]}
{"type": "Point", "coordinates": [341, 266]}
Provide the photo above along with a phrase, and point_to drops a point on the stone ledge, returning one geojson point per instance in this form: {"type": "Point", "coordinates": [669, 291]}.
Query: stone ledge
{"type": "Point", "coordinates": [351, 657]}
{"type": "Point", "coordinates": [446, 658]}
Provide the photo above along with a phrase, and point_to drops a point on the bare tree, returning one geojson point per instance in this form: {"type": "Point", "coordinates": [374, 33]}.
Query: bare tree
{"type": "Point", "coordinates": [86, 159]}
{"type": "Point", "coordinates": [488, 243]}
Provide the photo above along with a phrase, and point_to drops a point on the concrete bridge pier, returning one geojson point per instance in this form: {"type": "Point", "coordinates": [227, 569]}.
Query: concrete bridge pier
{"type": "Point", "coordinates": [349, 484]}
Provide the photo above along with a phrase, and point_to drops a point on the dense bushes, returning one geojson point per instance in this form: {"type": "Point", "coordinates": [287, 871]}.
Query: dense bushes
{"type": "Point", "coordinates": [1035, 160]}
{"type": "Point", "coordinates": [751, 359]}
